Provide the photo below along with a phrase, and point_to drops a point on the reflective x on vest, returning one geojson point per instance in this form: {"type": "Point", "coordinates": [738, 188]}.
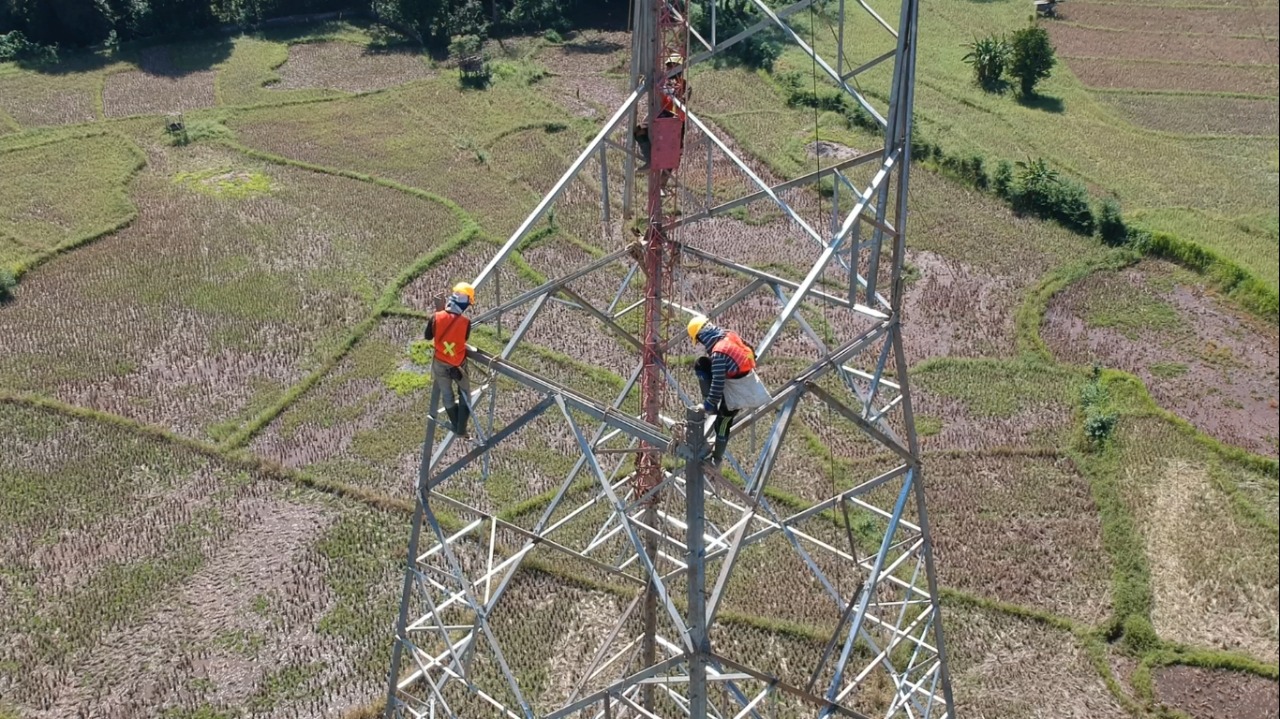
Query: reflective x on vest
{"type": "Point", "coordinates": [451, 338]}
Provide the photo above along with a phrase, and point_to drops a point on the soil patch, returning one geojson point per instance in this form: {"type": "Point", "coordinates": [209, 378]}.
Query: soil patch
{"type": "Point", "coordinates": [953, 309]}
{"type": "Point", "coordinates": [1074, 41]}
{"type": "Point", "coordinates": [1123, 74]}
{"type": "Point", "coordinates": [348, 67]}
{"type": "Point", "coordinates": [1197, 115]}
{"type": "Point", "coordinates": [1204, 360]}
{"type": "Point", "coordinates": [1019, 529]}
{"type": "Point", "coordinates": [1174, 20]}
{"type": "Point", "coordinates": [1217, 694]}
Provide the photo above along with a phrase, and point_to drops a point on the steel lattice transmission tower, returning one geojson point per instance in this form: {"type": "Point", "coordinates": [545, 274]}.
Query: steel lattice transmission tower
{"type": "Point", "coordinates": [670, 578]}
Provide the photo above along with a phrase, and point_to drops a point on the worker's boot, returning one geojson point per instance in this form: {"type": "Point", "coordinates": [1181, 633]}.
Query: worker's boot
{"type": "Point", "coordinates": [460, 424]}
{"type": "Point", "coordinates": [722, 437]}
{"type": "Point", "coordinates": [452, 413]}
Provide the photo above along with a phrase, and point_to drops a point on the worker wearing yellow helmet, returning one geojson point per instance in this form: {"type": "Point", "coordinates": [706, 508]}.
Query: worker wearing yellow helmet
{"type": "Point", "coordinates": [448, 331]}
{"type": "Point", "coordinates": [674, 87]}
{"type": "Point", "coordinates": [726, 377]}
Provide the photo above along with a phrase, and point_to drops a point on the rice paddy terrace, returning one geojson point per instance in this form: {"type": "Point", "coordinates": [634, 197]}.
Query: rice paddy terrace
{"type": "Point", "coordinates": [211, 397]}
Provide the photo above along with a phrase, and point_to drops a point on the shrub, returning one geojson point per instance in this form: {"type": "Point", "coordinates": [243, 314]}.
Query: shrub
{"type": "Point", "coordinates": [15, 46]}
{"type": "Point", "coordinates": [1031, 58]}
{"type": "Point", "coordinates": [1040, 191]}
{"type": "Point", "coordinates": [1099, 419]}
{"type": "Point", "coordinates": [1111, 227]}
{"type": "Point", "coordinates": [970, 169]}
{"type": "Point", "coordinates": [462, 46]}
{"type": "Point", "coordinates": [1002, 181]}
{"type": "Point", "coordinates": [760, 51]}
{"type": "Point", "coordinates": [989, 57]}
{"type": "Point", "coordinates": [7, 282]}
{"type": "Point", "coordinates": [1139, 636]}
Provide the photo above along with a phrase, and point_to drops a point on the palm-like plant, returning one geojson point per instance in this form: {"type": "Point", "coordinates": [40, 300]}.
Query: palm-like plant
{"type": "Point", "coordinates": [989, 57]}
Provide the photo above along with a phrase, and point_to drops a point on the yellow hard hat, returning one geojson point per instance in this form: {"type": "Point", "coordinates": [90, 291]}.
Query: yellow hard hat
{"type": "Point", "coordinates": [465, 288]}
{"type": "Point", "coordinates": [695, 326]}
{"type": "Point", "coordinates": [674, 59]}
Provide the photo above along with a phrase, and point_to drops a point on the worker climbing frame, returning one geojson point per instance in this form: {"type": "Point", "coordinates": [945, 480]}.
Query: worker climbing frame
{"type": "Point", "coordinates": [577, 556]}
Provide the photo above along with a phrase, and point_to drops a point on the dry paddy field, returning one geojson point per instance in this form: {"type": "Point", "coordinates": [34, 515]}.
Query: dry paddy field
{"type": "Point", "coordinates": [1201, 359]}
{"type": "Point", "coordinates": [212, 412]}
{"type": "Point", "coordinates": [253, 274]}
{"type": "Point", "coordinates": [1129, 51]}
{"type": "Point", "coordinates": [349, 67]}
{"type": "Point", "coordinates": [146, 579]}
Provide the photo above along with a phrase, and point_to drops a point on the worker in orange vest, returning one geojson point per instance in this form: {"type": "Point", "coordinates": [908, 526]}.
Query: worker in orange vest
{"type": "Point", "coordinates": [727, 378]}
{"type": "Point", "coordinates": [676, 87]}
{"type": "Point", "coordinates": [448, 331]}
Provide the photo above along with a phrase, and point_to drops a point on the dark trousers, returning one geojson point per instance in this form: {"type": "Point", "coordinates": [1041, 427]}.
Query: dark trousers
{"type": "Point", "coordinates": [724, 416]}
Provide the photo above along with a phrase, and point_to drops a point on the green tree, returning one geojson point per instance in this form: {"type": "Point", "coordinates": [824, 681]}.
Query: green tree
{"type": "Point", "coordinates": [1032, 58]}
{"type": "Point", "coordinates": [988, 57]}
{"type": "Point", "coordinates": [760, 51]}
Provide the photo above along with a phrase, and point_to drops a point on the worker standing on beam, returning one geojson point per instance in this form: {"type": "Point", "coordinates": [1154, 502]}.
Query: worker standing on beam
{"type": "Point", "coordinates": [448, 331]}
{"type": "Point", "coordinates": [727, 378]}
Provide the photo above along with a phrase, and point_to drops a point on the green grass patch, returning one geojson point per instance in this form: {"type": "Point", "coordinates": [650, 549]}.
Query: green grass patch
{"type": "Point", "coordinates": [1168, 370]}
{"type": "Point", "coordinates": [226, 183]}
{"type": "Point", "coordinates": [992, 388]}
{"type": "Point", "coordinates": [70, 191]}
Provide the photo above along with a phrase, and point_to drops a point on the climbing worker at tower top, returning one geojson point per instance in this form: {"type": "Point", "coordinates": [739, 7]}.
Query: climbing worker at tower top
{"type": "Point", "coordinates": [448, 331]}
{"type": "Point", "coordinates": [674, 88]}
{"type": "Point", "coordinates": [726, 377]}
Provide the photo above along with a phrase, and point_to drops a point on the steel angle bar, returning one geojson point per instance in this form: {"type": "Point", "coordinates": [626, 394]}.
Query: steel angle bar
{"type": "Point", "coordinates": [820, 266]}
{"type": "Point", "coordinates": [439, 547]}
{"type": "Point", "coordinates": [616, 688]}
{"type": "Point", "coordinates": [867, 588]}
{"type": "Point", "coordinates": [781, 187]}
{"type": "Point", "coordinates": [882, 655]}
{"type": "Point", "coordinates": [411, 558]}
{"type": "Point", "coordinates": [552, 285]}
{"type": "Point", "coordinates": [797, 385]}
{"type": "Point", "coordinates": [748, 32]}
{"type": "Point", "coordinates": [622, 287]}
{"type": "Point", "coordinates": [424, 673]}
{"type": "Point", "coordinates": [784, 282]}
{"type": "Point", "coordinates": [805, 327]}
{"type": "Point", "coordinates": [456, 568]}
{"type": "Point", "coordinates": [558, 188]}
{"type": "Point", "coordinates": [629, 425]}
{"type": "Point", "coordinates": [813, 55]}
{"type": "Point", "coordinates": [659, 588]}
{"type": "Point", "coordinates": [871, 63]}
{"type": "Point", "coordinates": [604, 647]}
{"type": "Point", "coordinates": [746, 169]}
{"type": "Point", "coordinates": [788, 688]}
{"type": "Point", "coordinates": [514, 426]}
{"type": "Point", "coordinates": [606, 319]}
{"type": "Point", "coordinates": [884, 436]}
{"type": "Point", "coordinates": [535, 538]}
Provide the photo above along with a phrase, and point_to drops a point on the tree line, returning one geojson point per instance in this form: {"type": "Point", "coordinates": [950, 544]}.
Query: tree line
{"type": "Point", "coordinates": [32, 27]}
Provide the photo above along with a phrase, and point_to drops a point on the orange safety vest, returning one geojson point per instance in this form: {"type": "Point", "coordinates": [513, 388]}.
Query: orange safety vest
{"type": "Point", "coordinates": [451, 338]}
{"type": "Point", "coordinates": [732, 346]}
{"type": "Point", "coordinates": [675, 87]}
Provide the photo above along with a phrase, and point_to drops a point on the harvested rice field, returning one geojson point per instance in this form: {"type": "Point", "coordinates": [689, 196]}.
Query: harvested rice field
{"type": "Point", "coordinates": [214, 387]}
